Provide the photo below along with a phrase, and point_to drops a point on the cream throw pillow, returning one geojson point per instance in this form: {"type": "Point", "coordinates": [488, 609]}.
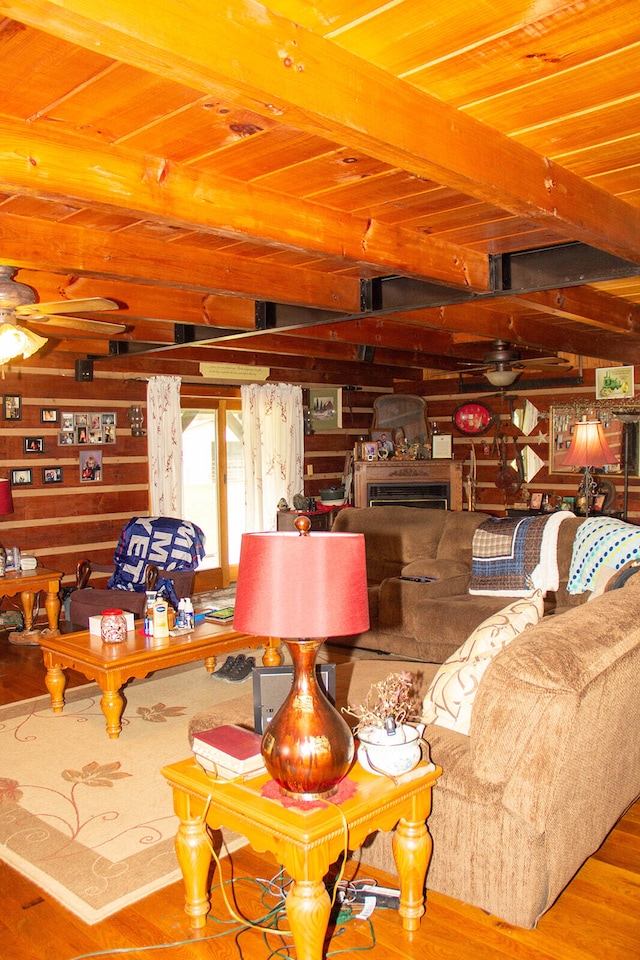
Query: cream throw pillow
{"type": "Point", "coordinates": [449, 699]}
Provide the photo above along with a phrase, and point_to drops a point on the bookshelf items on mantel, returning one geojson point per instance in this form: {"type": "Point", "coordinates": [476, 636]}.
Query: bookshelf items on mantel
{"type": "Point", "coordinates": [433, 483]}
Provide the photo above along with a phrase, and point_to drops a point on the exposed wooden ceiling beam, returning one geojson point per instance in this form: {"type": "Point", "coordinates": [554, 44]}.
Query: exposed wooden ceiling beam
{"type": "Point", "coordinates": [276, 67]}
{"type": "Point", "coordinates": [63, 166]}
{"type": "Point", "coordinates": [56, 246]}
{"type": "Point", "coordinates": [586, 306]}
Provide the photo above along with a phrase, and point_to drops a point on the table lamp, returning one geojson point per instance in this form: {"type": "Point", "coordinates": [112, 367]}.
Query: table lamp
{"type": "Point", "coordinates": [589, 448]}
{"type": "Point", "coordinates": [6, 507]}
{"type": "Point", "coordinates": [304, 588]}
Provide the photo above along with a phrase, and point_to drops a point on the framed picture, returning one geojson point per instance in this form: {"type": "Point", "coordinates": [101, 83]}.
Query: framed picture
{"type": "Point", "coordinates": [598, 502]}
{"type": "Point", "coordinates": [385, 444]}
{"type": "Point", "coordinates": [65, 438]}
{"type": "Point", "coordinates": [48, 415]}
{"type": "Point", "coordinates": [21, 477]}
{"type": "Point", "coordinates": [614, 383]}
{"type": "Point", "coordinates": [66, 421]}
{"type": "Point", "coordinates": [568, 503]}
{"type": "Point", "coordinates": [370, 450]}
{"type": "Point", "coordinates": [11, 407]}
{"type": "Point", "coordinates": [52, 474]}
{"type": "Point", "coordinates": [442, 446]}
{"type": "Point", "coordinates": [535, 503]}
{"type": "Point", "coordinates": [325, 406]}
{"type": "Point", "coordinates": [90, 466]}
{"type": "Point", "coordinates": [33, 444]}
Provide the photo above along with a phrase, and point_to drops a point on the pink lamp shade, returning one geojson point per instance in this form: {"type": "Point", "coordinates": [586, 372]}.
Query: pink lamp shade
{"type": "Point", "coordinates": [6, 500]}
{"type": "Point", "coordinates": [589, 447]}
{"type": "Point", "coordinates": [302, 586]}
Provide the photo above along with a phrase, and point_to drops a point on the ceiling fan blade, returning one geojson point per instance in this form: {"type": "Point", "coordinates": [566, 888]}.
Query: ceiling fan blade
{"type": "Point", "coordinates": [78, 323]}
{"type": "Point", "coordinates": [90, 305]}
{"type": "Point", "coordinates": [543, 362]}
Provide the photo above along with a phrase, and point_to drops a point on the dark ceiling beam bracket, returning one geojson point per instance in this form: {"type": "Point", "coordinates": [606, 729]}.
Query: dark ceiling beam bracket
{"type": "Point", "coordinates": [548, 384]}
{"type": "Point", "coordinates": [525, 271]}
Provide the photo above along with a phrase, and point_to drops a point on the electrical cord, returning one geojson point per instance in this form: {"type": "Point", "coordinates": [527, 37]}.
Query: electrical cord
{"type": "Point", "coordinates": [267, 924]}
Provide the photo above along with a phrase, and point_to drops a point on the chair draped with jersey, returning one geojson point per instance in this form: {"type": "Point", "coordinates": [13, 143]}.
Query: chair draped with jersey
{"type": "Point", "coordinates": [153, 553]}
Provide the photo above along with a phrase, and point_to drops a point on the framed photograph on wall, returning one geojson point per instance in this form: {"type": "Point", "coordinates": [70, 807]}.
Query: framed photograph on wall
{"type": "Point", "coordinates": [325, 406]}
{"type": "Point", "coordinates": [33, 444]}
{"type": "Point", "coordinates": [614, 383]}
{"type": "Point", "coordinates": [22, 477]}
{"type": "Point", "coordinates": [90, 466]}
{"type": "Point", "coordinates": [442, 446]}
{"type": "Point", "coordinates": [48, 415]}
{"type": "Point", "coordinates": [52, 474]}
{"type": "Point", "coordinates": [11, 407]}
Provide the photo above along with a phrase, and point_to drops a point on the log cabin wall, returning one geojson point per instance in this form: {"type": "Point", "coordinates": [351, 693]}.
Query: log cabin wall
{"type": "Point", "coordinates": [62, 523]}
{"type": "Point", "coordinates": [442, 398]}
{"type": "Point", "coordinates": [65, 522]}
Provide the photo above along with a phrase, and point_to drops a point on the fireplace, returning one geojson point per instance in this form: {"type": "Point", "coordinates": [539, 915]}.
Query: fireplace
{"type": "Point", "coordinates": [429, 496]}
{"type": "Point", "coordinates": [429, 484]}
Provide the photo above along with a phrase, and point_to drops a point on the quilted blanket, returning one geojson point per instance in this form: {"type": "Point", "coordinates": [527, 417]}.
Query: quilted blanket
{"type": "Point", "coordinates": [601, 541]}
{"type": "Point", "coordinates": [169, 543]}
{"type": "Point", "coordinates": [514, 556]}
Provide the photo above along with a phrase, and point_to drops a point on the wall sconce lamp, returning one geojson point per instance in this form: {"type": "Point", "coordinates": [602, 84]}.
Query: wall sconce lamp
{"type": "Point", "coordinates": [136, 419]}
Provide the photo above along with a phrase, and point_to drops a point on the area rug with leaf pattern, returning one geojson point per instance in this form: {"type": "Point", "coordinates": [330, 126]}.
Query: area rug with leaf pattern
{"type": "Point", "coordinates": [88, 819]}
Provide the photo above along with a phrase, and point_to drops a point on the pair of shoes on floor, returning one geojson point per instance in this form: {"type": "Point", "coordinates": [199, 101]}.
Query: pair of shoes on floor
{"type": "Point", "coordinates": [235, 669]}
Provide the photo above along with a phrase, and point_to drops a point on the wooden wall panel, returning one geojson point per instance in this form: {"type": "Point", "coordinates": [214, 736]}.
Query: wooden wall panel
{"type": "Point", "coordinates": [442, 399]}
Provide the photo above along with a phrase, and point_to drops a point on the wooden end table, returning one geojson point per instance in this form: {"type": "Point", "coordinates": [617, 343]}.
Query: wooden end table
{"type": "Point", "coordinates": [112, 665]}
{"type": "Point", "coordinates": [27, 583]}
{"type": "Point", "coordinates": [305, 842]}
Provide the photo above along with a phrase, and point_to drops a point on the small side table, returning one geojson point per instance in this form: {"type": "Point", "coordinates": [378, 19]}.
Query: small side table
{"type": "Point", "coordinates": [27, 583]}
{"type": "Point", "coordinates": [305, 841]}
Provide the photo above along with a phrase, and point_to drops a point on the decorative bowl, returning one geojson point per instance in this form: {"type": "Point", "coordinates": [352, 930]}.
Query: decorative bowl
{"type": "Point", "coordinates": [387, 754]}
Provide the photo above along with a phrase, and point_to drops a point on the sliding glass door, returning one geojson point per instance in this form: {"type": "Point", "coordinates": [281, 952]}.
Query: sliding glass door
{"type": "Point", "coordinates": [213, 486]}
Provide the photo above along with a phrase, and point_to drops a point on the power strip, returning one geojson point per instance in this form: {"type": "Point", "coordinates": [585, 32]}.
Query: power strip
{"type": "Point", "coordinates": [383, 896]}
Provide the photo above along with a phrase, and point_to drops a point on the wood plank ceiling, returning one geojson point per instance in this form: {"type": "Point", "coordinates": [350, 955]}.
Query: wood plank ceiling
{"type": "Point", "coordinates": [239, 177]}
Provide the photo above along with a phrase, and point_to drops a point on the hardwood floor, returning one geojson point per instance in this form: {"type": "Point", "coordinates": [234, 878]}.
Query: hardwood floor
{"type": "Point", "coordinates": [596, 918]}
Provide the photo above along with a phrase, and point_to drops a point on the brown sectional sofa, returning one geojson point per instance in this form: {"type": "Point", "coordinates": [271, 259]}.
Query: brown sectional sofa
{"type": "Point", "coordinates": [551, 762]}
{"type": "Point", "coordinates": [429, 621]}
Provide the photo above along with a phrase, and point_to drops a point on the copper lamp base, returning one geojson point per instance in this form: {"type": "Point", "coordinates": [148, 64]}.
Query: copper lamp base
{"type": "Point", "coordinates": [308, 747]}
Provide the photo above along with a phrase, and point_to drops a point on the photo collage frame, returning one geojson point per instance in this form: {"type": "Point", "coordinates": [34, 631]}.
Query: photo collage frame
{"type": "Point", "coordinates": [80, 429]}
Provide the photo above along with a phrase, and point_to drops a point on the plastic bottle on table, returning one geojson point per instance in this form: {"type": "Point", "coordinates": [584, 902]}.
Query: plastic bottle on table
{"type": "Point", "coordinates": [188, 614]}
{"type": "Point", "coordinates": [160, 618]}
{"type": "Point", "coordinates": [148, 613]}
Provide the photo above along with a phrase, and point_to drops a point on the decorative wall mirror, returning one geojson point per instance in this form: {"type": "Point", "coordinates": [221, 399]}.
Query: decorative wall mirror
{"type": "Point", "coordinates": [405, 412]}
{"type": "Point", "coordinates": [622, 437]}
{"type": "Point", "coordinates": [531, 463]}
{"type": "Point", "coordinates": [525, 417]}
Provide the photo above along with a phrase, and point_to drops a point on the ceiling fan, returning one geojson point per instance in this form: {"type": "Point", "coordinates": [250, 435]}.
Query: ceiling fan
{"type": "Point", "coordinates": [18, 306]}
{"type": "Point", "coordinates": [502, 365]}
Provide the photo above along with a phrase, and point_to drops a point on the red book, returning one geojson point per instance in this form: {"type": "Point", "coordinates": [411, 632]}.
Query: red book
{"type": "Point", "coordinates": [229, 750]}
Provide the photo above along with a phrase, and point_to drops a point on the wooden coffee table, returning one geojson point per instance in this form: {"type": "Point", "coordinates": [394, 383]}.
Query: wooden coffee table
{"type": "Point", "coordinates": [305, 841]}
{"type": "Point", "coordinates": [113, 665]}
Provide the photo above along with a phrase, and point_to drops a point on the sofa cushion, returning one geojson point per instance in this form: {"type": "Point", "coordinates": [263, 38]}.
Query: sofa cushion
{"type": "Point", "coordinates": [393, 536]}
{"type": "Point", "coordinates": [457, 535]}
{"type": "Point", "coordinates": [451, 695]}
{"type": "Point", "coordinates": [438, 569]}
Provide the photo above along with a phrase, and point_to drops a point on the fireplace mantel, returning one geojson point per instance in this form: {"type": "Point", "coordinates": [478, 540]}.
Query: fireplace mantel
{"type": "Point", "coordinates": [407, 473]}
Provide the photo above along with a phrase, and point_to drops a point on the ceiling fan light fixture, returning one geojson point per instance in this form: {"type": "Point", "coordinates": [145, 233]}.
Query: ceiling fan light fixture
{"type": "Point", "coordinates": [502, 376]}
{"type": "Point", "coordinates": [18, 342]}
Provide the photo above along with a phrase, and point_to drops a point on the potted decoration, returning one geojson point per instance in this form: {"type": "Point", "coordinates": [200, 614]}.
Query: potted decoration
{"type": "Point", "coordinates": [388, 730]}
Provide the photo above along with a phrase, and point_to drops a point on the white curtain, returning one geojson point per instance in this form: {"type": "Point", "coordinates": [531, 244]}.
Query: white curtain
{"type": "Point", "coordinates": [164, 436]}
{"type": "Point", "coordinates": [273, 448]}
